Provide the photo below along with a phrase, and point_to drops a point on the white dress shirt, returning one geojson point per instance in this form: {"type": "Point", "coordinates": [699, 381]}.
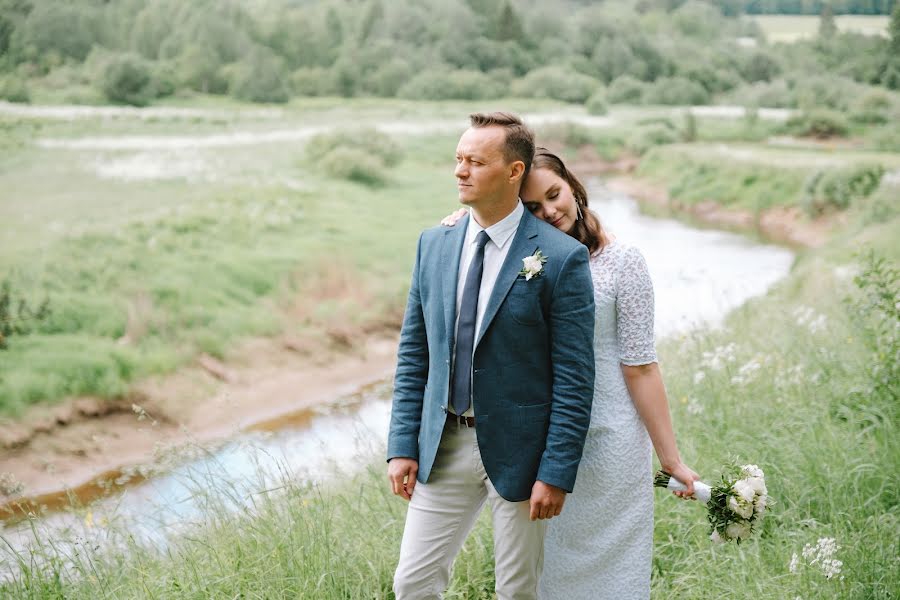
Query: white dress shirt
{"type": "Point", "coordinates": [495, 251]}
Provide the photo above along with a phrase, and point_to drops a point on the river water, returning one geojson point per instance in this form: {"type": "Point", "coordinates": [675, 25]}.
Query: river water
{"type": "Point", "coordinates": [699, 276]}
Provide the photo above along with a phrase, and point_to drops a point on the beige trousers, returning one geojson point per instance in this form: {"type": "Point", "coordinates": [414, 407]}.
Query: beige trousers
{"type": "Point", "coordinates": [443, 511]}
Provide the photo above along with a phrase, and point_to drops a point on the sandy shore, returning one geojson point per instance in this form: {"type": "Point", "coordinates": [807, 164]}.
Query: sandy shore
{"type": "Point", "coordinates": [71, 444]}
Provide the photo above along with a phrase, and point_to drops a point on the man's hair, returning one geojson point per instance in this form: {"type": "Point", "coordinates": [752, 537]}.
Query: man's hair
{"type": "Point", "coordinates": [519, 137]}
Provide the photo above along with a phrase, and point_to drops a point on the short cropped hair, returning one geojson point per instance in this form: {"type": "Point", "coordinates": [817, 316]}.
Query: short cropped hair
{"type": "Point", "coordinates": [519, 137]}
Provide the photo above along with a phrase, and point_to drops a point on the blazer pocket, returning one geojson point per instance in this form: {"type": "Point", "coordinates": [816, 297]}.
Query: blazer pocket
{"type": "Point", "coordinates": [525, 307]}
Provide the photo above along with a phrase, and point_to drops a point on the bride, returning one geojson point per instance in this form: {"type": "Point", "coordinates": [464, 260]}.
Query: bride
{"type": "Point", "coordinates": [601, 544]}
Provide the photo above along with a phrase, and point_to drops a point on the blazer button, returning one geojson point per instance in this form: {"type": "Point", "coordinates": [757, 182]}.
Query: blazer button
{"type": "Point", "coordinates": [444, 408]}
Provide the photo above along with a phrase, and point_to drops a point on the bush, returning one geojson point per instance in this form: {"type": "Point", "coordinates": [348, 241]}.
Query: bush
{"type": "Point", "coordinates": [767, 94]}
{"type": "Point", "coordinates": [826, 91]}
{"type": "Point", "coordinates": [887, 138]}
{"type": "Point", "coordinates": [388, 78]}
{"type": "Point", "coordinates": [261, 78]}
{"type": "Point", "coordinates": [676, 91]}
{"type": "Point", "coordinates": [626, 90]}
{"type": "Point", "coordinates": [596, 104]}
{"type": "Point", "coordinates": [353, 164]}
{"type": "Point", "coordinates": [312, 81]}
{"type": "Point", "coordinates": [557, 83]}
{"type": "Point", "coordinates": [652, 134]}
{"type": "Point", "coordinates": [818, 123]}
{"type": "Point", "coordinates": [14, 89]}
{"type": "Point", "coordinates": [128, 79]}
{"type": "Point", "coordinates": [451, 85]}
{"type": "Point", "coordinates": [361, 155]}
{"type": "Point", "coordinates": [874, 108]}
{"type": "Point", "coordinates": [759, 66]}
{"type": "Point", "coordinates": [839, 188]}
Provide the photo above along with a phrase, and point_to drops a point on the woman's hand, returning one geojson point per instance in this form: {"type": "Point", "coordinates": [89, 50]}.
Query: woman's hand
{"type": "Point", "coordinates": [685, 475]}
{"type": "Point", "coordinates": [451, 219]}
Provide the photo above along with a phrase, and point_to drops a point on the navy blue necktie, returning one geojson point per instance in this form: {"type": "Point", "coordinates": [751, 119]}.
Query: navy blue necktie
{"type": "Point", "coordinates": [461, 390]}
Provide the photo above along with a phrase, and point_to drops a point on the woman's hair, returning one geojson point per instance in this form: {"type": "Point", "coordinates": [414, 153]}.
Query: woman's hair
{"type": "Point", "coordinates": [587, 229]}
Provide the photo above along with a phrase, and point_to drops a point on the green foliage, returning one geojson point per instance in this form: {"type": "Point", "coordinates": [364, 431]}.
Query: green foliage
{"type": "Point", "coordinates": [363, 156]}
{"type": "Point", "coordinates": [199, 68]}
{"type": "Point", "coordinates": [759, 65]}
{"type": "Point", "coordinates": [452, 85]}
{"type": "Point", "coordinates": [14, 89]}
{"type": "Point", "coordinates": [18, 316]}
{"type": "Point", "coordinates": [313, 81]}
{"type": "Point", "coordinates": [627, 90]}
{"type": "Point", "coordinates": [838, 189]}
{"type": "Point", "coordinates": [557, 83]}
{"type": "Point", "coordinates": [887, 137]}
{"type": "Point", "coordinates": [874, 109]}
{"type": "Point", "coordinates": [648, 135]}
{"type": "Point", "coordinates": [877, 306]}
{"type": "Point", "coordinates": [260, 78]}
{"type": "Point", "coordinates": [826, 91]}
{"type": "Point", "coordinates": [55, 31]}
{"type": "Point", "coordinates": [827, 26]}
{"type": "Point", "coordinates": [820, 123]}
{"type": "Point", "coordinates": [676, 91]}
{"type": "Point", "coordinates": [128, 79]}
{"type": "Point", "coordinates": [765, 94]}
{"type": "Point", "coordinates": [596, 104]}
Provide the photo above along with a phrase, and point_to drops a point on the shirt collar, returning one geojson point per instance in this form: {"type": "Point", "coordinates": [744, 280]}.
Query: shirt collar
{"type": "Point", "coordinates": [501, 231]}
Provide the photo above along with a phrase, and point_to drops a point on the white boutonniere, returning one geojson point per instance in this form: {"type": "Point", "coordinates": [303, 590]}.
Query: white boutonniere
{"type": "Point", "coordinates": [534, 265]}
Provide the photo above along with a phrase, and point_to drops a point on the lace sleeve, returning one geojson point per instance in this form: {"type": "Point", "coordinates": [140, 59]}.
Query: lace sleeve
{"type": "Point", "coordinates": [634, 310]}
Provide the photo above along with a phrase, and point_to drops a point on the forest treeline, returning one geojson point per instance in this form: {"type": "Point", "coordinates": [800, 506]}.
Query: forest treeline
{"type": "Point", "coordinates": [635, 51]}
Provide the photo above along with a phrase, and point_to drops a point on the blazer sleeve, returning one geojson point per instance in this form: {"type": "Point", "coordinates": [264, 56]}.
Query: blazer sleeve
{"type": "Point", "coordinates": [572, 356]}
{"type": "Point", "coordinates": [411, 375]}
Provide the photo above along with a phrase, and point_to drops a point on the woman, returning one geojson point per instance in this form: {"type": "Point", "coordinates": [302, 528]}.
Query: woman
{"type": "Point", "coordinates": [601, 544]}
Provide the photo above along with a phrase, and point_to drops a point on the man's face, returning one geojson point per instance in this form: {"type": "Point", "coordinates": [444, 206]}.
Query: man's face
{"type": "Point", "coordinates": [482, 173]}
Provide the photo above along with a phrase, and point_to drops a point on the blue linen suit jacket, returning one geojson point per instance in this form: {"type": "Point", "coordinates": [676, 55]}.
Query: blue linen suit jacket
{"type": "Point", "coordinates": [533, 363]}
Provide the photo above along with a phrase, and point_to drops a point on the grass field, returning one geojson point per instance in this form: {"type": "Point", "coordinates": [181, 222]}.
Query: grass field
{"type": "Point", "coordinates": [789, 28]}
{"type": "Point", "coordinates": [798, 382]}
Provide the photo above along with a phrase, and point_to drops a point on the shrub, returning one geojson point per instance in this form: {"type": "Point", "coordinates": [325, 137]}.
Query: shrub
{"type": "Point", "coordinates": [260, 78]}
{"type": "Point", "coordinates": [14, 89]}
{"type": "Point", "coordinates": [596, 104]}
{"type": "Point", "coordinates": [361, 155]}
{"type": "Point", "coordinates": [769, 94]}
{"type": "Point", "coordinates": [676, 91]}
{"type": "Point", "coordinates": [873, 108]}
{"type": "Point", "coordinates": [451, 85]}
{"type": "Point", "coordinates": [128, 79]}
{"type": "Point", "coordinates": [312, 81]}
{"type": "Point", "coordinates": [759, 66]}
{"type": "Point", "coordinates": [818, 123]}
{"type": "Point", "coordinates": [388, 78]}
{"type": "Point", "coordinates": [652, 134]}
{"type": "Point", "coordinates": [887, 138]}
{"type": "Point", "coordinates": [826, 91]}
{"type": "Point", "coordinates": [353, 164]}
{"type": "Point", "coordinates": [839, 188]}
{"type": "Point", "coordinates": [557, 83]}
{"type": "Point", "coordinates": [626, 90]}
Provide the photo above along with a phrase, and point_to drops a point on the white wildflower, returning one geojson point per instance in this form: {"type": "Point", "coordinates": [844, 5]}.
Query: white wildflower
{"type": "Point", "coordinates": [795, 562]}
{"type": "Point", "coordinates": [699, 376]}
{"type": "Point", "coordinates": [694, 407]}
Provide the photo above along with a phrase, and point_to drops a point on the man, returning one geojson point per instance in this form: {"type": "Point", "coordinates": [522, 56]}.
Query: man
{"type": "Point", "coordinates": [492, 394]}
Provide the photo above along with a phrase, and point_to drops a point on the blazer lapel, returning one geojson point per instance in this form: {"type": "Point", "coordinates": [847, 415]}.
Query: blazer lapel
{"type": "Point", "coordinates": [451, 250]}
{"type": "Point", "coordinates": [523, 245]}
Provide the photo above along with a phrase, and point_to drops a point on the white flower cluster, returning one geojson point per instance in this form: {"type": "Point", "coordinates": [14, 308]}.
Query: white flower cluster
{"type": "Point", "coordinates": [749, 370]}
{"type": "Point", "coordinates": [821, 555]}
{"type": "Point", "coordinates": [808, 317]}
{"type": "Point", "coordinates": [747, 499]}
{"type": "Point", "coordinates": [719, 357]}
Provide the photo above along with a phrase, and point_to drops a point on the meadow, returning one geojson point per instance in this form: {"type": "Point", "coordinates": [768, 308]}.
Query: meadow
{"type": "Point", "coordinates": [802, 382]}
{"type": "Point", "coordinates": [790, 28]}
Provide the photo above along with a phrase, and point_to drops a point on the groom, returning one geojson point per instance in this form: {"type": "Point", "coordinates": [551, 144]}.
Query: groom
{"type": "Point", "coordinates": [495, 373]}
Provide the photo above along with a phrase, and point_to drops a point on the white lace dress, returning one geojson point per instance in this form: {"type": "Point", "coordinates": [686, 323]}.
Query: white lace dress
{"type": "Point", "coordinates": [601, 545]}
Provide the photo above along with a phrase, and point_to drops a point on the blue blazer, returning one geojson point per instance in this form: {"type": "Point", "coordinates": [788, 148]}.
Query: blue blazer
{"type": "Point", "coordinates": [533, 363]}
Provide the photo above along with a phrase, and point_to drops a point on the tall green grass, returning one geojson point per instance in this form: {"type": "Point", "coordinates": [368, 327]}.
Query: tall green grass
{"type": "Point", "coordinates": [787, 384]}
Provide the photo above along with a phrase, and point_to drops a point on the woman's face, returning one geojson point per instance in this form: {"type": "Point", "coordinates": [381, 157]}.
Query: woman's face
{"type": "Point", "coordinates": [550, 198]}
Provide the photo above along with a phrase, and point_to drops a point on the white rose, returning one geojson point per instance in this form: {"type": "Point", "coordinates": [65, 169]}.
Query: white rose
{"type": "Point", "coordinates": [752, 471]}
{"type": "Point", "coordinates": [739, 530]}
{"type": "Point", "coordinates": [532, 263]}
{"type": "Point", "coordinates": [758, 484]}
{"type": "Point", "coordinates": [740, 508]}
{"type": "Point", "coordinates": [744, 489]}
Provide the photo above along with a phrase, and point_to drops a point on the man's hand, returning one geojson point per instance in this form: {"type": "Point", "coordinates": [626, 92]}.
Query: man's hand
{"type": "Point", "coordinates": [402, 475]}
{"type": "Point", "coordinates": [546, 500]}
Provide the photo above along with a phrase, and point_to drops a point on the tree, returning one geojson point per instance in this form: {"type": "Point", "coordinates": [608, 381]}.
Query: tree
{"type": "Point", "coordinates": [827, 27]}
{"type": "Point", "coordinates": [508, 26]}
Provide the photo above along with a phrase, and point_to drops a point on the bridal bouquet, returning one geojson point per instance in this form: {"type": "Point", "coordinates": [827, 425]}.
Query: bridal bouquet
{"type": "Point", "coordinates": [735, 506]}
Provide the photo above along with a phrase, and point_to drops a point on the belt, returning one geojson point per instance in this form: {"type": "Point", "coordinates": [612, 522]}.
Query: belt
{"type": "Point", "coordinates": [467, 421]}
